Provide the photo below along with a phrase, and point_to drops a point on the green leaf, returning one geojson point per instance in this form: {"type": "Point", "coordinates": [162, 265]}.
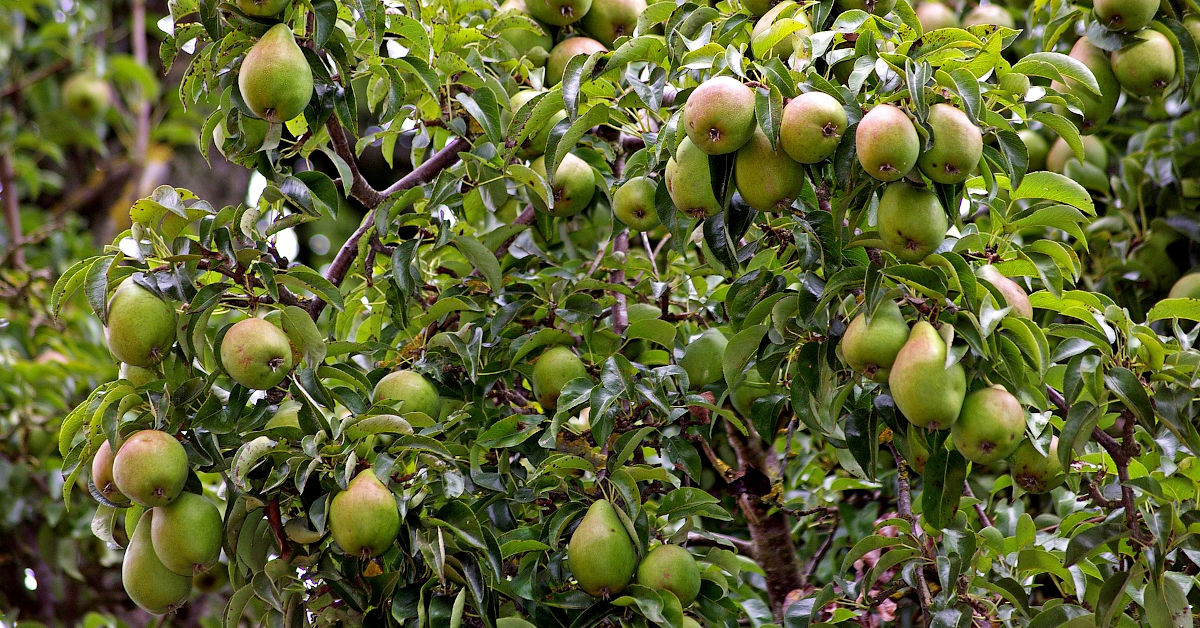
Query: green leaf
{"type": "Point", "coordinates": [1128, 388]}
{"type": "Point", "coordinates": [1091, 539]}
{"type": "Point", "coordinates": [1055, 187]}
{"type": "Point", "coordinates": [1186, 309]}
{"type": "Point", "coordinates": [483, 259]}
{"type": "Point", "coordinates": [303, 333]}
{"type": "Point", "coordinates": [944, 474]}
{"type": "Point", "coordinates": [1059, 67]}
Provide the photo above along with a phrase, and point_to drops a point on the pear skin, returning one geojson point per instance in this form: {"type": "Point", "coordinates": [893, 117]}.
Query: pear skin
{"type": "Point", "coordinates": [558, 12]}
{"type": "Point", "coordinates": [1125, 15]}
{"type": "Point", "coordinates": [934, 15]}
{"type": "Point", "coordinates": [990, 425]}
{"type": "Point", "coordinates": [153, 587]}
{"type": "Point", "coordinates": [633, 204]}
{"type": "Point", "coordinates": [256, 354]}
{"type": "Point", "coordinates": [150, 468]}
{"type": "Point", "coordinates": [719, 115]}
{"type": "Point", "coordinates": [702, 358]}
{"type": "Point", "coordinates": [671, 568]}
{"type": "Point", "coordinates": [871, 348]}
{"type": "Point", "coordinates": [887, 143]}
{"type": "Point", "coordinates": [557, 366]}
{"type": "Point", "coordinates": [187, 533]}
{"type": "Point", "coordinates": [957, 145]}
{"type": "Point", "coordinates": [609, 20]}
{"type": "Point", "coordinates": [925, 391]}
{"type": "Point", "coordinates": [102, 474]}
{"type": "Point", "coordinates": [1188, 287]}
{"type": "Point", "coordinates": [911, 221]}
{"type": "Point", "coordinates": [417, 393]}
{"type": "Point", "coordinates": [812, 126]}
{"type": "Point", "coordinates": [689, 182]}
{"type": "Point", "coordinates": [1014, 295]}
{"type": "Point", "coordinates": [275, 79]}
{"type": "Point", "coordinates": [141, 326]}
{"type": "Point", "coordinates": [1147, 66]}
{"type": "Point", "coordinates": [767, 178]}
{"type": "Point", "coordinates": [1097, 108]}
{"type": "Point", "coordinates": [600, 553]}
{"type": "Point", "coordinates": [363, 519]}
{"type": "Point", "coordinates": [560, 55]}
{"type": "Point", "coordinates": [573, 187]}
{"type": "Point", "coordinates": [1032, 471]}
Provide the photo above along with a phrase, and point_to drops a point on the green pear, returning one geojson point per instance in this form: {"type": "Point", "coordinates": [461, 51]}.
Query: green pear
{"type": "Point", "coordinates": [927, 392]}
{"type": "Point", "coordinates": [719, 115]}
{"type": "Point", "coordinates": [1147, 66]}
{"type": "Point", "coordinates": [989, 14]}
{"type": "Point", "coordinates": [533, 44]}
{"type": "Point", "coordinates": [1060, 154]}
{"type": "Point", "coordinates": [513, 622]}
{"type": "Point", "coordinates": [86, 95]}
{"type": "Point", "coordinates": [573, 187]}
{"type": "Point", "coordinates": [560, 55]}
{"type": "Point", "coordinates": [141, 326]}
{"type": "Point", "coordinates": [256, 354]}
{"type": "Point", "coordinates": [757, 8]}
{"type": "Point", "coordinates": [1192, 24]}
{"type": "Point", "coordinates": [781, 32]}
{"type": "Point", "coordinates": [153, 587]}
{"type": "Point", "coordinates": [877, 7]}
{"type": "Point", "coordinates": [1014, 296]}
{"type": "Point", "coordinates": [1188, 287]}
{"type": "Point", "coordinates": [671, 568]}
{"type": "Point", "coordinates": [688, 622]}
{"type": "Point", "coordinates": [887, 143]}
{"type": "Point", "coordinates": [610, 20]}
{"type": "Point", "coordinates": [957, 145]}
{"type": "Point", "coordinates": [743, 394]}
{"type": "Point", "coordinates": [812, 126]}
{"type": "Point", "coordinates": [1032, 471]}
{"type": "Point", "coordinates": [911, 221]}
{"type": "Point", "coordinates": [600, 553]}
{"type": "Point", "coordinates": [702, 358]}
{"type": "Point", "coordinates": [102, 474]}
{"type": "Point", "coordinates": [1096, 109]}
{"type": "Point", "coordinates": [535, 144]}
{"type": "Point", "coordinates": [416, 392]}
{"type": "Point", "coordinates": [1037, 147]}
{"type": "Point", "coordinates": [633, 204]}
{"type": "Point", "coordinates": [363, 519]}
{"type": "Point", "coordinates": [990, 425]}
{"type": "Point", "coordinates": [871, 348]}
{"type": "Point", "coordinates": [136, 375]}
{"type": "Point", "coordinates": [150, 468]}
{"type": "Point", "coordinates": [766, 177]}
{"type": "Point", "coordinates": [1125, 15]}
{"type": "Point", "coordinates": [558, 12]}
{"type": "Point", "coordinates": [187, 534]}
{"type": "Point", "coordinates": [286, 415]}
{"type": "Point", "coordinates": [689, 181]}
{"type": "Point", "coordinates": [211, 580]}
{"type": "Point", "coordinates": [262, 8]}
{"type": "Point", "coordinates": [275, 80]}
{"type": "Point", "coordinates": [557, 366]}
{"type": "Point", "coordinates": [934, 15]}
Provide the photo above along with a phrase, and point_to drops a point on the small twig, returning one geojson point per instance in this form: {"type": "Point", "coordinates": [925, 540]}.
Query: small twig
{"type": "Point", "coordinates": [620, 316]}
{"type": "Point", "coordinates": [979, 509]}
{"type": "Point", "coordinates": [525, 218]}
{"type": "Point", "coordinates": [823, 549]}
{"type": "Point", "coordinates": [650, 254]}
{"type": "Point", "coordinates": [904, 506]}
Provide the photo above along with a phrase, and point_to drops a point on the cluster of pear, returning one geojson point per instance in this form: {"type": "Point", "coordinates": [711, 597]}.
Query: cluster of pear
{"type": "Point", "coordinates": [986, 424]}
{"type": "Point", "coordinates": [603, 559]}
{"type": "Point", "coordinates": [604, 20]}
{"type": "Point", "coordinates": [177, 537]}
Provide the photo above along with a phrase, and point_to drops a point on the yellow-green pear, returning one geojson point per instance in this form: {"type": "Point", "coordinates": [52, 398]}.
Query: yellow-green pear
{"type": "Point", "coordinates": [141, 326]}
{"type": "Point", "coordinates": [513, 622]}
{"type": "Point", "coordinates": [275, 80]}
{"type": "Point", "coordinates": [363, 519]}
{"type": "Point", "coordinates": [887, 143]}
{"type": "Point", "coordinates": [811, 127]}
{"type": "Point", "coordinates": [567, 49]}
{"type": "Point", "coordinates": [1014, 296]}
{"type": "Point", "coordinates": [689, 181]}
{"type": "Point", "coordinates": [150, 468]}
{"type": "Point", "coordinates": [743, 394]}
{"type": "Point", "coordinates": [911, 221]}
{"type": "Point", "coordinates": [1145, 67]}
{"type": "Point", "coordinates": [926, 391]}
{"type": "Point", "coordinates": [262, 8]}
{"type": "Point", "coordinates": [934, 15]}
{"type": "Point", "coordinates": [557, 366]}
{"type": "Point", "coordinates": [600, 553]}
{"type": "Point", "coordinates": [187, 534]}
{"type": "Point", "coordinates": [633, 204]}
{"type": "Point", "coordinates": [871, 348]}
{"type": "Point", "coordinates": [1032, 471]}
{"type": "Point", "coordinates": [767, 178]}
{"type": "Point", "coordinates": [1094, 153]}
{"type": "Point", "coordinates": [702, 358]}
{"type": "Point", "coordinates": [573, 187]}
{"type": "Point", "coordinates": [153, 587]}
{"type": "Point", "coordinates": [1125, 15]}
{"type": "Point", "coordinates": [1036, 146]}
{"type": "Point", "coordinates": [671, 568]}
{"type": "Point", "coordinates": [1187, 287]}
{"type": "Point", "coordinates": [558, 12]}
{"type": "Point", "coordinates": [990, 425]}
{"type": "Point", "coordinates": [86, 95]}
{"type": "Point", "coordinates": [256, 353]}
{"type": "Point", "coordinates": [136, 375]}
{"type": "Point", "coordinates": [1097, 108]}
{"type": "Point", "coordinates": [989, 14]}
{"type": "Point", "coordinates": [609, 20]}
{"type": "Point", "coordinates": [957, 145]}
{"type": "Point", "coordinates": [782, 31]}
{"type": "Point", "coordinates": [418, 393]}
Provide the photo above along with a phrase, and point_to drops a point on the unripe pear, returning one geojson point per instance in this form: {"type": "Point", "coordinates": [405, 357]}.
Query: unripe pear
{"type": "Point", "coordinates": [812, 126]}
{"type": "Point", "coordinates": [887, 143]}
{"type": "Point", "coordinates": [926, 391]}
{"type": "Point", "coordinates": [689, 181]}
{"type": "Point", "coordinates": [766, 177]}
{"type": "Point", "coordinates": [1060, 154]}
{"type": "Point", "coordinates": [262, 8]}
{"type": "Point", "coordinates": [990, 425]}
{"type": "Point", "coordinates": [1187, 287]}
{"type": "Point", "coordinates": [573, 187]}
{"type": "Point", "coordinates": [557, 366]}
{"type": "Point", "coordinates": [558, 12]}
{"type": "Point", "coordinates": [136, 375]}
{"type": "Point", "coordinates": [877, 7]}
{"type": "Point", "coordinates": [513, 622]}
{"type": "Point", "coordinates": [957, 145]}
{"type": "Point", "coordinates": [533, 44]}
{"type": "Point", "coordinates": [934, 15]}
{"type": "Point", "coordinates": [560, 55]}
{"type": "Point", "coordinates": [150, 468]}
{"type": "Point", "coordinates": [1014, 295]}
{"type": "Point", "coordinates": [688, 622]}
{"type": "Point", "coordinates": [1097, 109]}
{"type": "Point", "coordinates": [256, 354]}
{"type": "Point", "coordinates": [743, 394]}
{"type": "Point", "coordinates": [1037, 147]}
{"type": "Point", "coordinates": [187, 534]}
{"type": "Point", "coordinates": [535, 144]}
{"type": "Point", "coordinates": [1032, 471]}
{"type": "Point", "coordinates": [871, 348]}
{"type": "Point", "coordinates": [153, 587]}
{"type": "Point", "coordinates": [609, 20]}
{"type": "Point", "coordinates": [911, 221]}
{"type": "Point", "coordinates": [1192, 24]}
{"type": "Point", "coordinates": [783, 17]}
{"type": "Point", "coordinates": [671, 568]}
{"type": "Point", "coordinates": [102, 474]}
{"type": "Point", "coordinates": [1125, 15]}
{"type": "Point", "coordinates": [633, 204]}
{"type": "Point", "coordinates": [363, 519]}
{"type": "Point", "coordinates": [702, 358]}
{"type": "Point", "coordinates": [86, 95]}
{"type": "Point", "coordinates": [992, 14]}
{"type": "Point", "coordinates": [141, 326]}
{"type": "Point", "coordinates": [412, 388]}
{"type": "Point", "coordinates": [1147, 66]}
{"type": "Point", "coordinates": [719, 115]}
{"type": "Point", "coordinates": [756, 8]}
{"type": "Point", "coordinates": [600, 553]}
{"type": "Point", "coordinates": [275, 79]}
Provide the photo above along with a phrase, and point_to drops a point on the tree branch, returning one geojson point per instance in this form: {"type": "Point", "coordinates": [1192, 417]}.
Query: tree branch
{"type": "Point", "coordinates": [525, 218]}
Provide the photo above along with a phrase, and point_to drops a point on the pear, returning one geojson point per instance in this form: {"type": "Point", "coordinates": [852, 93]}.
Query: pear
{"type": "Point", "coordinates": [560, 55]}
{"type": "Point", "coordinates": [1097, 109]}
{"type": "Point", "coordinates": [887, 143]}
{"type": "Point", "coordinates": [136, 375]}
{"type": "Point", "coordinates": [990, 425]}
{"type": "Point", "coordinates": [1060, 154]}
{"type": "Point", "coordinates": [671, 568]}
{"type": "Point", "coordinates": [633, 204]}
{"type": "Point", "coordinates": [211, 580]}
{"type": "Point", "coordinates": [256, 354]}
{"type": "Point", "coordinates": [557, 366]}
{"type": "Point", "coordinates": [1014, 295]}
{"type": "Point", "coordinates": [911, 221]}
{"type": "Point", "coordinates": [532, 44]}
{"type": "Point", "coordinates": [363, 519]}
{"type": "Point", "coordinates": [877, 7]}
{"type": "Point", "coordinates": [535, 144]}
{"type": "Point", "coordinates": [1037, 147]}
{"type": "Point", "coordinates": [141, 326]}
{"type": "Point", "coordinates": [102, 474]}
{"type": "Point", "coordinates": [871, 348]}
{"type": "Point", "coordinates": [1032, 471]}
{"type": "Point", "coordinates": [926, 391]}
{"type": "Point", "coordinates": [989, 14]}
{"type": "Point", "coordinates": [934, 15]}
{"type": "Point", "coordinates": [275, 80]}
{"type": "Point", "coordinates": [86, 95]}
{"type": "Point", "coordinates": [957, 145]}
{"type": "Point", "coordinates": [719, 115]}
{"type": "Point", "coordinates": [757, 8]}
{"type": "Point", "coordinates": [513, 622]}
{"type": "Point", "coordinates": [574, 185]}
{"type": "Point", "coordinates": [187, 534]}
{"type": "Point", "coordinates": [558, 12]}
{"type": "Point", "coordinates": [688, 622]}
{"type": "Point", "coordinates": [702, 358]}
{"type": "Point", "coordinates": [416, 392]}
{"type": "Point", "coordinates": [812, 126]}
{"type": "Point", "coordinates": [600, 553]}
{"type": "Point", "coordinates": [150, 468]}
{"type": "Point", "coordinates": [153, 587]}
{"type": "Point", "coordinates": [1125, 15]}
{"type": "Point", "coordinates": [767, 178]}
{"type": "Point", "coordinates": [262, 8]}
{"type": "Point", "coordinates": [612, 19]}
{"type": "Point", "coordinates": [1147, 66]}
{"type": "Point", "coordinates": [689, 182]}
{"type": "Point", "coordinates": [1192, 23]}
{"type": "Point", "coordinates": [764, 38]}
{"type": "Point", "coordinates": [743, 394]}
{"type": "Point", "coordinates": [1188, 287]}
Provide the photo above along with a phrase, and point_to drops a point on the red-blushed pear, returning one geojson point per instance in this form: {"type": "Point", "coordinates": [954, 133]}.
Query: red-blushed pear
{"type": "Point", "coordinates": [812, 126]}
{"type": "Point", "coordinates": [363, 519]}
{"type": "Point", "coordinates": [1145, 67]}
{"type": "Point", "coordinates": [633, 204]}
{"type": "Point", "coordinates": [256, 353]}
{"type": "Point", "coordinates": [957, 145]}
{"type": "Point", "coordinates": [926, 391]}
{"type": "Point", "coordinates": [141, 326]}
{"type": "Point", "coordinates": [990, 425]}
{"type": "Point", "coordinates": [600, 553]}
{"type": "Point", "coordinates": [560, 55]}
{"type": "Point", "coordinates": [418, 393]}
{"type": "Point", "coordinates": [766, 177]}
{"type": "Point", "coordinates": [102, 474]}
{"type": "Point", "coordinates": [911, 221]}
{"type": "Point", "coordinates": [871, 348]}
{"type": "Point", "coordinates": [187, 534]}
{"type": "Point", "coordinates": [153, 587]}
{"type": "Point", "coordinates": [573, 187]}
{"type": "Point", "coordinates": [557, 366]}
{"type": "Point", "coordinates": [887, 143]}
{"type": "Point", "coordinates": [671, 568]}
{"type": "Point", "coordinates": [719, 115]}
{"type": "Point", "coordinates": [1034, 472]}
{"type": "Point", "coordinates": [150, 468]}
{"type": "Point", "coordinates": [1014, 296]}
{"type": "Point", "coordinates": [689, 181]}
{"type": "Point", "coordinates": [558, 12]}
{"type": "Point", "coordinates": [275, 80]}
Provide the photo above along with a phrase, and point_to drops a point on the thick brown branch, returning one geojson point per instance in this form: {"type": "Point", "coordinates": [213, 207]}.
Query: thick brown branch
{"type": "Point", "coordinates": [360, 189]}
